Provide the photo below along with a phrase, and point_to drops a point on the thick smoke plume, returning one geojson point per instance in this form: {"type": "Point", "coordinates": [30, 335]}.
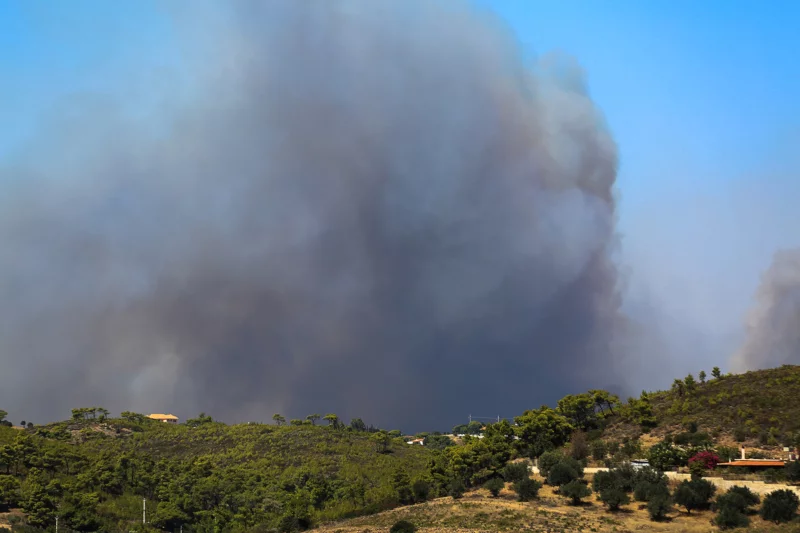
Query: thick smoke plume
{"type": "Point", "coordinates": [374, 209]}
{"type": "Point", "coordinates": [773, 327]}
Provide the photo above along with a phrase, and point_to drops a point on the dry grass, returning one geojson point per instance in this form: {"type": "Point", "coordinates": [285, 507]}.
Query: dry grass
{"type": "Point", "coordinates": [477, 512]}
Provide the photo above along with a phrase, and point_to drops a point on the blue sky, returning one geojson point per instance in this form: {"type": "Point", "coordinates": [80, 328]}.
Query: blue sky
{"type": "Point", "coordinates": [695, 92]}
{"type": "Point", "coordinates": [700, 96]}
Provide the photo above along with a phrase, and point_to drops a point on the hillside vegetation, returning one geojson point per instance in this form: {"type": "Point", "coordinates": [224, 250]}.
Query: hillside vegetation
{"type": "Point", "coordinates": [93, 472]}
{"type": "Point", "coordinates": [756, 408]}
{"type": "Point", "coordinates": [211, 477]}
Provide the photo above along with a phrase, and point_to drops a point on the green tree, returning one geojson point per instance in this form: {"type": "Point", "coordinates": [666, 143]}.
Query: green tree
{"type": "Point", "coordinates": [3, 415]}
{"type": "Point", "coordinates": [526, 489]}
{"type": "Point", "coordinates": [678, 387]}
{"type": "Point", "coordinates": [402, 487]}
{"type": "Point", "coordinates": [716, 372]}
{"type": "Point", "coordinates": [357, 424]}
{"type": "Point", "coordinates": [658, 507]}
{"type": "Point", "coordinates": [332, 419]}
{"type": "Point", "coordinates": [279, 419]}
{"type": "Point", "coordinates": [494, 486]}
{"type": "Point", "coordinates": [575, 490]}
{"type": "Point", "coordinates": [665, 455]}
{"type": "Point", "coordinates": [599, 450]}
{"type": "Point", "coordinates": [730, 518]}
{"type": "Point", "coordinates": [38, 505]}
{"type": "Point", "coordinates": [561, 474]}
{"type": "Point", "coordinates": [456, 488]}
{"type": "Point", "coordinates": [690, 383]}
{"type": "Point", "coordinates": [295, 422]}
{"type": "Point", "coordinates": [313, 419]}
{"type": "Point", "coordinates": [541, 430]}
{"type": "Point", "coordinates": [793, 471]}
{"type": "Point", "coordinates": [702, 376]}
{"type": "Point", "coordinates": [513, 472]}
{"type": "Point", "coordinates": [614, 498]}
{"type": "Point", "coordinates": [382, 441]}
{"type": "Point", "coordinates": [579, 409]}
{"type": "Point", "coordinates": [604, 400]}
{"type": "Point", "coordinates": [694, 494]}
{"type": "Point", "coordinates": [421, 488]}
{"type": "Point", "coordinates": [779, 506]}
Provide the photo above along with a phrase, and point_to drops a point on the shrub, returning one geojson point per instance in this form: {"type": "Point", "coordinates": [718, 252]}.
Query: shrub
{"type": "Point", "coordinates": [694, 494]}
{"type": "Point", "coordinates": [645, 490]}
{"type": "Point", "coordinates": [494, 486]}
{"type": "Point", "coordinates": [730, 518]}
{"type": "Point", "coordinates": [526, 489]}
{"type": "Point", "coordinates": [614, 497]}
{"type": "Point", "coordinates": [547, 461]}
{"type": "Point", "coordinates": [658, 507]}
{"type": "Point", "coordinates": [793, 471]}
{"type": "Point", "coordinates": [561, 474]}
{"type": "Point", "coordinates": [575, 490]}
{"type": "Point", "coordinates": [514, 472]}
{"type": "Point", "coordinates": [739, 498]}
{"type": "Point", "coordinates": [707, 460]}
{"type": "Point", "coordinates": [779, 506]}
{"type": "Point", "coordinates": [403, 526]}
{"type": "Point", "coordinates": [599, 450]}
{"type": "Point", "coordinates": [421, 489]}
{"type": "Point", "coordinates": [604, 480]}
{"type": "Point", "coordinates": [456, 489]}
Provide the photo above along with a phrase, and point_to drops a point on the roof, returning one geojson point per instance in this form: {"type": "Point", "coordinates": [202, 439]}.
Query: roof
{"type": "Point", "coordinates": [159, 416]}
{"type": "Point", "coordinates": [754, 462]}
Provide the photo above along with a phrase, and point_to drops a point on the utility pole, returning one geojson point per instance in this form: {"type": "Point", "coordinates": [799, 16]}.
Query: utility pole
{"type": "Point", "coordinates": [470, 419]}
{"type": "Point", "coordinates": [56, 523]}
{"type": "Point", "coordinates": [144, 511]}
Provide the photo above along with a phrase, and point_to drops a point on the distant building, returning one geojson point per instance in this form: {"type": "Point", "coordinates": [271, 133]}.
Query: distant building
{"type": "Point", "coordinates": [421, 442]}
{"type": "Point", "coordinates": [169, 419]}
{"type": "Point", "coordinates": [755, 463]}
{"type": "Point", "coordinates": [640, 463]}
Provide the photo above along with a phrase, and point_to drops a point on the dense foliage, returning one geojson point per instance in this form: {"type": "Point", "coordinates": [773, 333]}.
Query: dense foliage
{"type": "Point", "coordinates": [94, 473]}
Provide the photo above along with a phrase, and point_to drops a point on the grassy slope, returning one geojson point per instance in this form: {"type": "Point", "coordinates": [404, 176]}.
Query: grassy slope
{"type": "Point", "coordinates": [755, 401]}
{"type": "Point", "coordinates": [477, 512]}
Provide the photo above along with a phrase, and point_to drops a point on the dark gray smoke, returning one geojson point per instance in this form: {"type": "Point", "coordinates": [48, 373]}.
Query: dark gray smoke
{"type": "Point", "coordinates": [773, 327]}
{"type": "Point", "coordinates": [369, 208]}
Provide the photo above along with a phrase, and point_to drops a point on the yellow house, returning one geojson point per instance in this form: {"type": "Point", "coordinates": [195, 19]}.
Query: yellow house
{"type": "Point", "coordinates": [169, 419]}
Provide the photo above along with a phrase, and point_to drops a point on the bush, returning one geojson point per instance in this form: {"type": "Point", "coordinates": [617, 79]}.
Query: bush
{"type": "Point", "coordinates": [604, 480]}
{"type": "Point", "coordinates": [614, 497]}
{"type": "Point", "coordinates": [561, 474]}
{"type": "Point", "coordinates": [575, 490]}
{"type": "Point", "coordinates": [646, 491]}
{"type": "Point", "coordinates": [707, 460]}
{"type": "Point", "coordinates": [547, 461]}
{"type": "Point", "coordinates": [658, 507]}
{"type": "Point", "coordinates": [403, 526]}
{"type": "Point", "coordinates": [694, 494]}
{"type": "Point", "coordinates": [494, 486]}
{"type": "Point", "coordinates": [779, 506]}
{"type": "Point", "coordinates": [599, 450]}
{"type": "Point", "coordinates": [457, 488]}
{"type": "Point", "coordinates": [421, 489]}
{"type": "Point", "coordinates": [793, 471]}
{"type": "Point", "coordinates": [730, 518]}
{"type": "Point", "coordinates": [514, 472]}
{"type": "Point", "coordinates": [739, 498]}
{"type": "Point", "coordinates": [526, 489]}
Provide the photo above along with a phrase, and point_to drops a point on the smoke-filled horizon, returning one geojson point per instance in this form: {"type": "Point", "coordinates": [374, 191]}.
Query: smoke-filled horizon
{"type": "Point", "coordinates": [385, 213]}
{"type": "Point", "coordinates": [381, 213]}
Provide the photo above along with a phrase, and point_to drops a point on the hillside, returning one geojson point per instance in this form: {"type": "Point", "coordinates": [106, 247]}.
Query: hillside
{"type": "Point", "coordinates": [477, 512]}
{"type": "Point", "coordinates": [755, 408]}
{"type": "Point", "coordinates": [93, 472]}
{"type": "Point", "coordinates": [208, 476]}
